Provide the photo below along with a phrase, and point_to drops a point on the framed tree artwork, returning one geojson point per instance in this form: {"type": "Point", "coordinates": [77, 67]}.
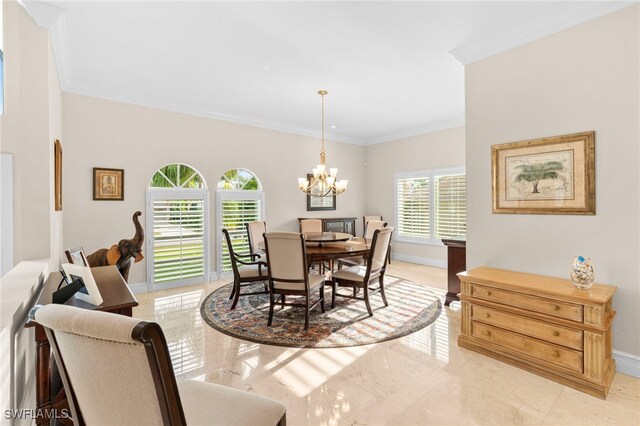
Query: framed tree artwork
{"type": "Point", "coordinates": [554, 175]}
{"type": "Point", "coordinates": [108, 184]}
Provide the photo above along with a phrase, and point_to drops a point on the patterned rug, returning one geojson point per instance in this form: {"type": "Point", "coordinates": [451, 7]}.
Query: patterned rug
{"type": "Point", "coordinates": [411, 307]}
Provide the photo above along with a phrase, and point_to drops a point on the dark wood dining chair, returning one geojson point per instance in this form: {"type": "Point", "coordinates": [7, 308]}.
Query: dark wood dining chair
{"type": "Point", "coordinates": [361, 277]}
{"type": "Point", "coordinates": [117, 370]}
{"type": "Point", "coordinates": [372, 226]}
{"type": "Point", "coordinates": [244, 272]}
{"type": "Point", "coordinates": [289, 273]}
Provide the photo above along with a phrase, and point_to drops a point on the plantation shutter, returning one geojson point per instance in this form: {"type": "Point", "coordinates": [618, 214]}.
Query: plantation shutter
{"type": "Point", "coordinates": [413, 214]}
{"type": "Point", "coordinates": [450, 200]}
{"type": "Point", "coordinates": [178, 239]}
{"type": "Point", "coordinates": [235, 213]}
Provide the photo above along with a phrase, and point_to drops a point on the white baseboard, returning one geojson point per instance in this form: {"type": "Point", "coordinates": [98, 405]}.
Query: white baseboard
{"type": "Point", "coordinates": [139, 288]}
{"type": "Point", "coordinates": [627, 363]}
{"type": "Point", "coordinates": [213, 276]}
{"type": "Point", "coordinates": [428, 261]}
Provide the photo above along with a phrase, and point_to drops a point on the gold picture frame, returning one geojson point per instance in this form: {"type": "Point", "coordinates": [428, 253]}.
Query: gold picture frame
{"type": "Point", "coordinates": [108, 184]}
{"type": "Point", "coordinates": [554, 175]}
{"type": "Point", "coordinates": [57, 174]}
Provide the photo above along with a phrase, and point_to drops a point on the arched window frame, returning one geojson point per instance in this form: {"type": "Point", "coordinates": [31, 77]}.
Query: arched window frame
{"type": "Point", "coordinates": [176, 192]}
{"type": "Point", "coordinates": [234, 194]}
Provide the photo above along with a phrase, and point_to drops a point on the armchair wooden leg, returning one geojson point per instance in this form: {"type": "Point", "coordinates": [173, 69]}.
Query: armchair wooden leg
{"type": "Point", "coordinates": [366, 299]}
{"type": "Point", "coordinates": [233, 290]}
{"type": "Point", "coordinates": [236, 295]}
{"type": "Point", "coordinates": [322, 298]}
{"type": "Point", "coordinates": [282, 300]}
{"type": "Point", "coordinates": [306, 313]}
{"type": "Point", "coordinates": [384, 297]}
{"type": "Point", "coordinates": [334, 287]}
{"type": "Point", "coordinates": [271, 303]}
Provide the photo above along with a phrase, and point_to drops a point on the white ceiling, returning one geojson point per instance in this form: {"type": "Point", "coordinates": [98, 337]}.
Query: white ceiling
{"type": "Point", "coordinates": [386, 65]}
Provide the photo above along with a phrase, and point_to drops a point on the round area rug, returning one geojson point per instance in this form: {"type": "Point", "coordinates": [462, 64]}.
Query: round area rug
{"type": "Point", "coordinates": [411, 307]}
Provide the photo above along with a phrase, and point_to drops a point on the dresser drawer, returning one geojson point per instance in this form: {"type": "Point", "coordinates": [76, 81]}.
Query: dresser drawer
{"type": "Point", "coordinates": [567, 358]}
{"type": "Point", "coordinates": [551, 333]}
{"type": "Point", "coordinates": [558, 309]}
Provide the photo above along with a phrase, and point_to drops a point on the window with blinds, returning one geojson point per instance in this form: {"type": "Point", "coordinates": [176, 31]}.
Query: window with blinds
{"type": "Point", "coordinates": [178, 239]}
{"type": "Point", "coordinates": [431, 205]}
{"type": "Point", "coordinates": [240, 200]}
{"type": "Point", "coordinates": [235, 213]}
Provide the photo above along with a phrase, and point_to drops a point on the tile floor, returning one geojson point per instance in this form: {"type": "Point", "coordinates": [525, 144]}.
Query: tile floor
{"type": "Point", "coordinates": [420, 379]}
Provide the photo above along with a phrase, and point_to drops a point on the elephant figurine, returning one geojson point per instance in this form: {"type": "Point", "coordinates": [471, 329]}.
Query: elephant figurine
{"type": "Point", "coordinates": [120, 254]}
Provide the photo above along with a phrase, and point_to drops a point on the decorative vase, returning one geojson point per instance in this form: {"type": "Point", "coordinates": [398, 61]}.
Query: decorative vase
{"type": "Point", "coordinates": [582, 272]}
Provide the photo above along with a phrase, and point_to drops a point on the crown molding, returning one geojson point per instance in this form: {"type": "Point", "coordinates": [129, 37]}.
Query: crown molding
{"type": "Point", "coordinates": [434, 127]}
{"type": "Point", "coordinates": [203, 112]}
{"type": "Point", "coordinates": [44, 14]}
{"type": "Point", "coordinates": [570, 17]}
{"type": "Point", "coordinates": [53, 18]}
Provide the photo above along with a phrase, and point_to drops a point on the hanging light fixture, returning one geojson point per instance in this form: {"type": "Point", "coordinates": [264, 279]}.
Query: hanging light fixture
{"type": "Point", "coordinates": [323, 183]}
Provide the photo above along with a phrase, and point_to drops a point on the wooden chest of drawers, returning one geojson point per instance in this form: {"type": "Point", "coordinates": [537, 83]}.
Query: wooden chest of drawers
{"type": "Point", "coordinates": [541, 324]}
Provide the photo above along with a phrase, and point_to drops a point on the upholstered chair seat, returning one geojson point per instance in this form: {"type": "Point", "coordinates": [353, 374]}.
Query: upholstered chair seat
{"type": "Point", "coordinates": [117, 370]}
{"type": "Point", "coordinates": [232, 407]}
{"type": "Point", "coordinates": [353, 273]}
{"type": "Point", "coordinates": [257, 272]}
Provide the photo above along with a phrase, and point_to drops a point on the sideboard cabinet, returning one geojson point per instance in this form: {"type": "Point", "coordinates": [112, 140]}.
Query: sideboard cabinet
{"type": "Point", "coordinates": [346, 225]}
{"type": "Point", "coordinates": [541, 324]}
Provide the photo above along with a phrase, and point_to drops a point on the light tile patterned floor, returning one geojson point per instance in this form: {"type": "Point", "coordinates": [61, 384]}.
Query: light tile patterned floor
{"type": "Point", "coordinates": [423, 378]}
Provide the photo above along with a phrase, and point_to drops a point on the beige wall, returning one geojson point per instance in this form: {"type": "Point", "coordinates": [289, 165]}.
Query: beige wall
{"type": "Point", "coordinates": [31, 121]}
{"type": "Point", "coordinates": [584, 78]}
{"type": "Point", "coordinates": [100, 133]}
{"type": "Point", "coordinates": [429, 151]}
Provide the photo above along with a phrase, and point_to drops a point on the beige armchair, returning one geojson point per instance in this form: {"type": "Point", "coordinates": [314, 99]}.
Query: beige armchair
{"type": "Point", "coordinates": [365, 221]}
{"type": "Point", "coordinates": [288, 272]}
{"type": "Point", "coordinates": [117, 370]}
{"type": "Point", "coordinates": [244, 273]}
{"type": "Point", "coordinates": [361, 277]}
{"type": "Point", "coordinates": [255, 230]}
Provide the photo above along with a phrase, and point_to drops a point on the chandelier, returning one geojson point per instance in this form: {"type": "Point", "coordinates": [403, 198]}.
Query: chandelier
{"type": "Point", "coordinates": [323, 183]}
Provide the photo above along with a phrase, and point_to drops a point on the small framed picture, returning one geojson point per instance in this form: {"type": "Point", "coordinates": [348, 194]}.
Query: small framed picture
{"type": "Point", "coordinates": [108, 184]}
{"type": "Point", "coordinates": [90, 292]}
{"type": "Point", "coordinates": [77, 256]}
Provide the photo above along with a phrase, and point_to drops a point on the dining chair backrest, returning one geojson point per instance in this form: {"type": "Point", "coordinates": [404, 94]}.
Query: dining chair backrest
{"type": "Point", "coordinates": [367, 219]}
{"type": "Point", "coordinates": [287, 259]}
{"type": "Point", "coordinates": [371, 227]}
{"type": "Point", "coordinates": [379, 248]}
{"type": "Point", "coordinates": [310, 225]}
{"type": "Point", "coordinates": [255, 230]}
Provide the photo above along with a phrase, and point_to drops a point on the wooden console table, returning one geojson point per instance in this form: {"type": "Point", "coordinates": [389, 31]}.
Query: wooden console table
{"type": "Point", "coordinates": [456, 262]}
{"type": "Point", "coordinates": [541, 324]}
{"type": "Point", "coordinates": [345, 225]}
{"type": "Point", "coordinates": [117, 298]}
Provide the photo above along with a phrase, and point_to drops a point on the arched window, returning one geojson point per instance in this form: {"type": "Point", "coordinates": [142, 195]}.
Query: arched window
{"type": "Point", "coordinates": [177, 226]}
{"type": "Point", "coordinates": [240, 199]}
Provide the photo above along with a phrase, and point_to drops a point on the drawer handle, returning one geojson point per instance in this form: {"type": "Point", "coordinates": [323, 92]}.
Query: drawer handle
{"type": "Point", "coordinates": [486, 333]}
{"type": "Point", "coordinates": [487, 315]}
{"type": "Point", "coordinates": [555, 307]}
{"type": "Point", "coordinates": [556, 354]}
{"type": "Point", "coordinates": [556, 333]}
{"type": "Point", "coordinates": [488, 293]}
